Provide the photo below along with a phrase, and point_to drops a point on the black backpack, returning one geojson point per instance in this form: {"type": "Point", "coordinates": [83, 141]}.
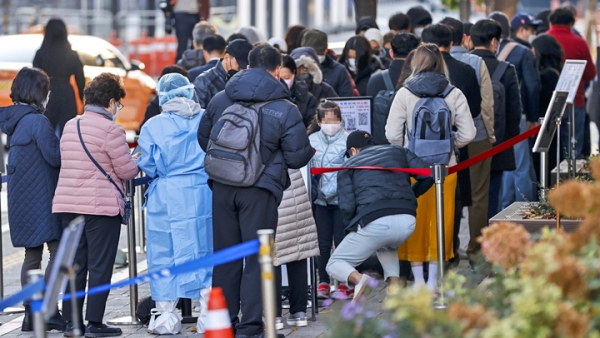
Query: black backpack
{"type": "Point", "coordinates": [499, 101]}
{"type": "Point", "coordinates": [381, 108]}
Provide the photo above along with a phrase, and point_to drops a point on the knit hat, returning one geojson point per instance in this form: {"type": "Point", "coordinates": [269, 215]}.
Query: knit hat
{"type": "Point", "coordinates": [278, 43]}
{"type": "Point", "coordinates": [306, 56]}
{"type": "Point", "coordinates": [373, 34]}
{"type": "Point", "coordinates": [239, 49]}
{"type": "Point", "coordinates": [316, 39]}
{"type": "Point", "coordinates": [419, 16]}
{"type": "Point", "coordinates": [365, 23]}
{"type": "Point", "coordinates": [253, 34]}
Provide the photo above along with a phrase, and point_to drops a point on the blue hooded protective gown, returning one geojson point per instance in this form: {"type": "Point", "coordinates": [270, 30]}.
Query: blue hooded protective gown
{"type": "Point", "coordinates": [178, 199]}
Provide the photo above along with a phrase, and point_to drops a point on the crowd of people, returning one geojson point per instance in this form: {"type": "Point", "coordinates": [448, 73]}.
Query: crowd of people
{"type": "Point", "coordinates": [225, 139]}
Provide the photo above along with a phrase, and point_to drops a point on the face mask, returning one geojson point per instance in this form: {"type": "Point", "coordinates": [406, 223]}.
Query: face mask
{"type": "Point", "coordinates": [289, 82]}
{"type": "Point", "coordinates": [331, 129]}
{"type": "Point", "coordinates": [531, 38]}
{"type": "Point", "coordinates": [321, 58]}
{"type": "Point", "coordinates": [386, 51]}
{"type": "Point", "coordinates": [230, 74]}
{"type": "Point", "coordinates": [45, 102]}
{"type": "Point", "coordinates": [352, 65]}
{"type": "Point", "coordinates": [419, 31]}
{"type": "Point", "coordinates": [306, 77]}
{"type": "Point", "coordinates": [376, 52]}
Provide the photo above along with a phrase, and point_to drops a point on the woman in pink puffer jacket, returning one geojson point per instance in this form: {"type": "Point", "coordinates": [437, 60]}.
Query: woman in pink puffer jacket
{"type": "Point", "coordinates": [83, 190]}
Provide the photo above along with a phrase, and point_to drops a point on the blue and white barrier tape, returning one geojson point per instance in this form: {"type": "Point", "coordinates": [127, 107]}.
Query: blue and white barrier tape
{"type": "Point", "coordinates": [25, 294]}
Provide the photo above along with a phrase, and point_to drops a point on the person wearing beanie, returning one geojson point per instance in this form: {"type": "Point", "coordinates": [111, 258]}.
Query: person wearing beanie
{"type": "Point", "coordinates": [334, 73]}
{"type": "Point", "coordinates": [519, 184]}
{"type": "Point", "coordinates": [307, 70]}
{"type": "Point", "coordinates": [419, 19]}
{"type": "Point", "coordinates": [212, 81]}
{"type": "Point", "coordinates": [365, 23]}
{"type": "Point", "coordinates": [544, 25]}
{"type": "Point", "coordinates": [376, 40]}
{"type": "Point", "coordinates": [253, 34]}
{"type": "Point", "coordinates": [278, 43]}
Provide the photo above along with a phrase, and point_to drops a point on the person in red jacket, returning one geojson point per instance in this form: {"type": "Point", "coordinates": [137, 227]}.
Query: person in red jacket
{"type": "Point", "coordinates": [575, 48]}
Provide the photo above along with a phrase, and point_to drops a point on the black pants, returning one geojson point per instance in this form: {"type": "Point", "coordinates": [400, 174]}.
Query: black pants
{"type": "Point", "coordinates": [33, 260]}
{"type": "Point", "coordinates": [298, 283]}
{"type": "Point", "coordinates": [184, 26]}
{"type": "Point", "coordinates": [495, 187]}
{"type": "Point", "coordinates": [238, 213]}
{"type": "Point", "coordinates": [95, 255]}
{"type": "Point", "coordinates": [330, 229]}
{"type": "Point", "coordinates": [458, 206]}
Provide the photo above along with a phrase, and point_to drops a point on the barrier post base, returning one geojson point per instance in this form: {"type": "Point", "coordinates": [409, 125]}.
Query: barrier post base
{"type": "Point", "coordinates": [12, 310]}
{"type": "Point", "coordinates": [127, 320]}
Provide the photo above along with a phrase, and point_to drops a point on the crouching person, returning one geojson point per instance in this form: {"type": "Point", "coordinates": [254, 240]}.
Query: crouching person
{"type": "Point", "coordinates": [378, 208]}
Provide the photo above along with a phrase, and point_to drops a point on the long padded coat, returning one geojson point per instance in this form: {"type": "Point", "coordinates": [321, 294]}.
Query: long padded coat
{"type": "Point", "coordinates": [32, 168]}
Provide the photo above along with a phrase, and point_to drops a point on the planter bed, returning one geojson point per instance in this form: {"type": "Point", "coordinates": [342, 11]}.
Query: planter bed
{"type": "Point", "coordinates": [516, 211]}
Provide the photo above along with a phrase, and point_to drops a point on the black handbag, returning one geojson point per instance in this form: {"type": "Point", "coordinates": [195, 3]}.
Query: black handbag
{"type": "Point", "coordinates": [127, 212]}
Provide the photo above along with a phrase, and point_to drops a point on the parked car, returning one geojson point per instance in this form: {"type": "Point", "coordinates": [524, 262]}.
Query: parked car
{"type": "Point", "coordinates": [97, 55]}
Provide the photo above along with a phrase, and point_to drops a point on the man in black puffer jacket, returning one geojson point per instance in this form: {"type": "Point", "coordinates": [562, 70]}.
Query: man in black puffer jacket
{"type": "Point", "coordinates": [378, 207]}
{"type": "Point", "coordinates": [238, 212]}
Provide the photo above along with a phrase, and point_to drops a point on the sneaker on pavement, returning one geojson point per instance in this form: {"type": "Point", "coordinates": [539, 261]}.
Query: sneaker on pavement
{"type": "Point", "coordinates": [69, 328]}
{"type": "Point", "coordinates": [346, 291]}
{"type": "Point", "coordinates": [278, 323]}
{"type": "Point", "coordinates": [323, 291]}
{"type": "Point", "coordinates": [102, 330]}
{"type": "Point", "coordinates": [362, 286]}
{"type": "Point", "coordinates": [297, 319]}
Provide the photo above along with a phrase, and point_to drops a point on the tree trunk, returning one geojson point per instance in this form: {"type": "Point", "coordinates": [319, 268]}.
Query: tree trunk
{"type": "Point", "coordinates": [508, 7]}
{"type": "Point", "coordinates": [590, 25]}
{"type": "Point", "coordinates": [365, 8]}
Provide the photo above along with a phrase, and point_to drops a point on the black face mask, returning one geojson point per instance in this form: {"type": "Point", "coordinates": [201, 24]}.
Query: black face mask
{"type": "Point", "coordinates": [376, 52]}
{"type": "Point", "coordinates": [306, 77]}
{"type": "Point", "coordinates": [230, 74]}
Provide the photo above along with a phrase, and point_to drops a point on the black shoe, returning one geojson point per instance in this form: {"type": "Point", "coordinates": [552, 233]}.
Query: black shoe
{"type": "Point", "coordinates": [102, 330]}
{"type": "Point", "coordinates": [69, 328]}
{"type": "Point", "coordinates": [27, 325]}
{"type": "Point", "coordinates": [56, 322]}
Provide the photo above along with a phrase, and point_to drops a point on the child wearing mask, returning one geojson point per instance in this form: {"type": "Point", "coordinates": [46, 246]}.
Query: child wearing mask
{"type": "Point", "coordinates": [330, 147]}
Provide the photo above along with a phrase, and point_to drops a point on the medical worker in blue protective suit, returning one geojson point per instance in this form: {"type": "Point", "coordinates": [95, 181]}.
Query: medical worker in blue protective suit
{"type": "Point", "coordinates": [178, 201]}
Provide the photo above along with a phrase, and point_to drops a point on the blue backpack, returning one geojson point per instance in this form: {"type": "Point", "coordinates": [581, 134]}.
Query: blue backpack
{"type": "Point", "coordinates": [431, 137]}
{"type": "Point", "coordinates": [381, 108]}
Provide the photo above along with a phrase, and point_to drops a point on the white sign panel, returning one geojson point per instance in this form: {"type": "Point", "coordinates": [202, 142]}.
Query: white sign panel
{"type": "Point", "coordinates": [570, 77]}
{"type": "Point", "coordinates": [356, 113]}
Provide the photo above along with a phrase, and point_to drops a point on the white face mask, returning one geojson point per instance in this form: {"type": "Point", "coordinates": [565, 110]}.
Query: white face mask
{"type": "Point", "coordinates": [289, 82]}
{"type": "Point", "coordinates": [45, 103]}
{"type": "Point", "coordinates": [331, 129]}
{"type": "Point", "coordinates": [419, 31]}
{"type": "Point", "coordinates": [531, 38]}
{"type": "Point", "coordinates": [321, 58]}
{"type": "Point", "coordinates": [352, 64]}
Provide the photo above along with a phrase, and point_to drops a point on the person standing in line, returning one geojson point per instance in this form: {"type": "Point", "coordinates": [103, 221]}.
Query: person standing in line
{"type": "Point", "coordinates": [419, 19]}
{"type": "Point", "coordinates": [33, 144]}
{"type": "Point", "coordinates": [214, 50]}
{"type": "Point", "coordinates": [308, 71]}
{"type": "Point", "coordinates": [239, 212]}
{"type": "Point", "coordinates": [360, 62]}
{"type": "Point", "coordinates": [178, 200]}
{"type": "Point", "coordinates": [60, 62]}
{"type": "Point", "coordinates": [399, 23]}
{"type": "Point", "coordinates": [187, 14]}
{"type": "Point", "coordinates": [486, 35]}
{"type": "Point", "coordinates": [428, 79]}
{"type": "Point", "coordinates": [194, 57]}
{"type": "Point", "coordinates": [299, 93]}
{"type": "Point", "coordinates": [153, 108]}
{"type": "Point", "coordinates": [95, 162]}
{"type": "Point", "coordinates": [330, 149]}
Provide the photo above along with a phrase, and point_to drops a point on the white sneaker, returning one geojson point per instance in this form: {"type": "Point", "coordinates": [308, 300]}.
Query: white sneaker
{"type": "Point", "coordinates": [362, 286]}
{"type": "Point", "coordinates": [278, 323]}
{"type": "Point", "coordinates": [297, 319]}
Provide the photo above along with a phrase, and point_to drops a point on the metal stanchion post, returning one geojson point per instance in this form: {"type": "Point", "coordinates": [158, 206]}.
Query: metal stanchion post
{"type": "Point", "coordinates": [132, 256]}
{"type": "Point", "coordinates": [543, 168]}
{"type": "Point", "coordinates": [39, 324]}
{"type": "Point", "coordinates": [573, 140]}
{"type": "Point", "coordinates": [265, 256]}
{"type": "Point", "coordinates": [440, 171]}
{"type": "Point", "coordinates": [313, 271]}
{"type": "Point", "coordinates": [558, 152]}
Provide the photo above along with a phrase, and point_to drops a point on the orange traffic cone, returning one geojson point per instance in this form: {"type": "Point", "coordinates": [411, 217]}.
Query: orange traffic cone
{"type": "Point", "coordinates": [217, 322]}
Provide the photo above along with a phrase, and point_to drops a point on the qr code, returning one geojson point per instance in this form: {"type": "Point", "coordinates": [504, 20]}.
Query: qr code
{"type": "Point", "coordinates": [363, 119]}
{"type": "Point", "coordinates": [351, 123]}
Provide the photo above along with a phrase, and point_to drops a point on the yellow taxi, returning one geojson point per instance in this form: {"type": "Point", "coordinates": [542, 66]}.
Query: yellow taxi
{"type": "Point", "coordinates": [97, 55]}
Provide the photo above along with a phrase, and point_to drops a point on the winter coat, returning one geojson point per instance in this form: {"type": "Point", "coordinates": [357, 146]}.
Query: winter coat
{"type": "Point", "coordinates": [82, 188]}
{"type": "Point", "coordinates": [306, 56]}
{"type": "Point", "coordinates": [336, 75]}
{"type": "Point", "coordinates": [362, 79]}
{"type": "Point", "coordinates": [178, 199]}
{"type": "Point", "coordinates": [296, 237]}
{"type": "Point", "coordinates": [194, 72]}
{"type": "Point", "coordinates": [366, 195]}
{"type": "Point", "coordinates": [192, 58]}
{"type": "Point", "coordinates": [400, 119]}
{"type": "Point", "coordinates": [376, 83]}
{"type": "Point", "coordinates": [526, 66]}
{"type": "Point", "coordinates": [60, 65]}
{"type": "Point", "coordinates": [322, 91]}
{"type": "Point", "coordinates": [512, 119]}
{"type": "Point", "coordinates": [485, 122]}
{"type": "Point", "coordinates": [284, 143]}
{"type": "Point", "coordinates": [329, 152]}
{"type": "Point", "coordinates": [32, 168]}
{"type": "Point", "coordinates": [153, 109]}
{"type": "Point", "coordinates": [209, 83]}
{"type": "Point", "coordinates": [304, 100]}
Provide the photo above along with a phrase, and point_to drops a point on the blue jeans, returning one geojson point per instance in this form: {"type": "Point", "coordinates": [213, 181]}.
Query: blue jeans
{"type": "Point", "coordinates": [383, 236]}
{"type": "Point", "coordinates": [519, 184]}
{"type": "Point", "coordinates": [184, 26]}
{"type": "Point", "coordinates": [565, 143]}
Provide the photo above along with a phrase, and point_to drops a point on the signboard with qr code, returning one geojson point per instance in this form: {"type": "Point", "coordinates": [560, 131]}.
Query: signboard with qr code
{"type": "Point", "coordinates": [356, 112]}
{"type": "Point", "coordinates": [570, 78]}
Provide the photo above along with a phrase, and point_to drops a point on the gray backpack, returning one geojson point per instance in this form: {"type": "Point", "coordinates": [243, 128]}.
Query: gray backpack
{"type": "Point", "coordinates": [431, 137]}
{"type": "Point", "coordinates": [233, 156]}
